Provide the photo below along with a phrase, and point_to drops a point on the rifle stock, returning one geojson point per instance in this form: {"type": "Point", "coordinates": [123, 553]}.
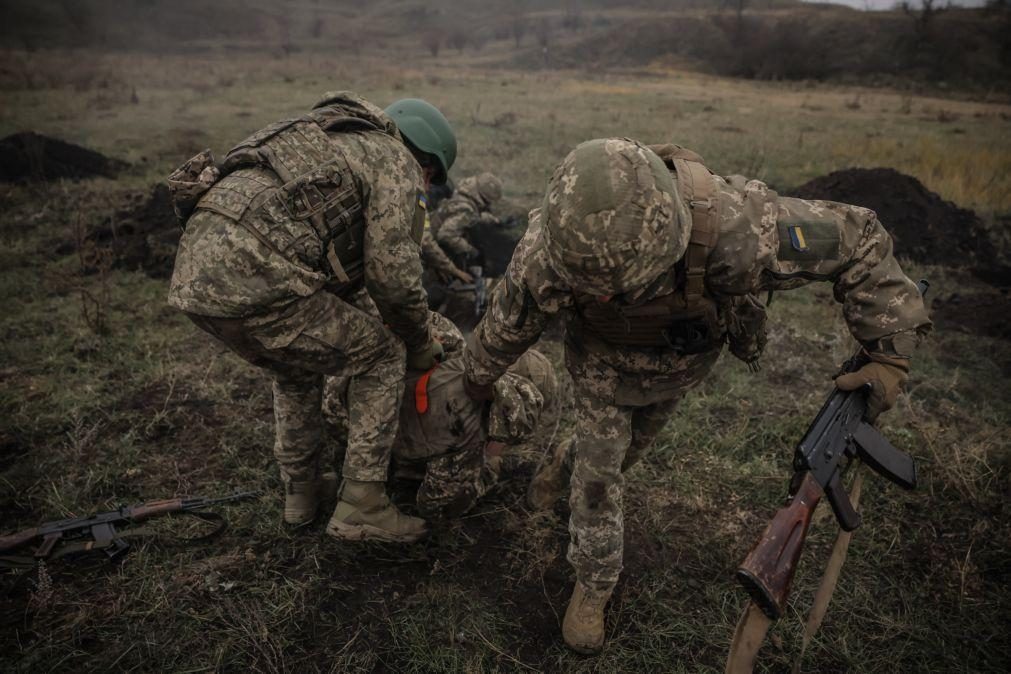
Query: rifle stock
{"type": "Point", "coordinates": [17, 539]}
{"type": "Point", "coordinates": [767, 572]}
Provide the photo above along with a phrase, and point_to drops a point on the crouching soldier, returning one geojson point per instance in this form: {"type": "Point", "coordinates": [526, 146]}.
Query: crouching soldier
{"type": "Point", "coordinates": [656, 264]}
{"type": "Point", "coordinates": [456, 216]}
{"type": "Point", "coordinates": [302, 225]}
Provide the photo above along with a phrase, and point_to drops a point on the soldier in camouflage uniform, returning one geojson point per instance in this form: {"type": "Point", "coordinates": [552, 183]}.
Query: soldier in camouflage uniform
{"type": "Point", "coordinates": [288, 246]}
{"type": "Point", "coordinates": [656, 263]}
{"type": "Point", "coordinates": [470, 203]}
{"type": "Point", "coordinates": [449, 441]}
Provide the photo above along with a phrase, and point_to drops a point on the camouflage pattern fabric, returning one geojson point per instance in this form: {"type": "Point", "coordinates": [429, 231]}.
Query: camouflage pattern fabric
{"type": "Point", "coordinates": [191, 181]}
{"type": "Point", "coordinates": [613, 220]}
{"type": "Point", "coordinates": [445, 444]}
{"type": "Point", "coordinates": [624, 395]}
{"type": "Point", "coordinates": [323, 335]}
{"type": "Point", "coordinates": [274, 308]}
{"type": "Point", "coordinates": [457, 214]}
{"type": "Point", "coordinates": [449, 437]}
{"type": "Point", "coordinates": [224, 270]}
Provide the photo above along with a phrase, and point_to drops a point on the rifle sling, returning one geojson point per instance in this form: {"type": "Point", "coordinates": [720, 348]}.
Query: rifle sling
{"type": "Point", "coordinates": [77, 548]}
{"type": "Point", "coordinates": [830, 578]}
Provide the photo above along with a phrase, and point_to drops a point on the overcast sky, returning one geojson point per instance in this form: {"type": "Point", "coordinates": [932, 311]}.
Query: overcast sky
{"type": "Point", "coordinates": [888, 4]}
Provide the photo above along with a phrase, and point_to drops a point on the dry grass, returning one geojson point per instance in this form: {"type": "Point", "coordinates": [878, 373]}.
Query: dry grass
{"type": "Point", "coordinates": [154, 408]}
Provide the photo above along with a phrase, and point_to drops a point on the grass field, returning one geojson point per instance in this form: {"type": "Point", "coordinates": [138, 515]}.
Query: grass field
{"type": "Point", "coordinates": [149, 407]}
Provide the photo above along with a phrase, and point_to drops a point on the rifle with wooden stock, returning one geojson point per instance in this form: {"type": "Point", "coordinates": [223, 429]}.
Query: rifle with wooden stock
{"type": "Point", "coordinates": [839, 437]}
{"type": "Point", "coordinates": [106, 531]}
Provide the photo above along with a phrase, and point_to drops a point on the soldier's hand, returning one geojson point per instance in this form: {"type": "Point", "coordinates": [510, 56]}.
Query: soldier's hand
{"type": "Point", "coordinates": [427, 358]}
{"type": "Point", "coordinates": [463, 276]}
{"type": "Point", "coordinates": [886, 375]}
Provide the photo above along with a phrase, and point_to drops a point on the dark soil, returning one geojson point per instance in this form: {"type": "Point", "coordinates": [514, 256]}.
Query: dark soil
{"type": "Point", "coordinates": [143, 235]}
{"type": "Point", "coordinates": [31, 157]}
{"type": "Point", "coordinates": [925, 228]}
{"type": "Point", "coordinates": [979, 313]}
{"type": "Point", "coordinates": [497, 242]}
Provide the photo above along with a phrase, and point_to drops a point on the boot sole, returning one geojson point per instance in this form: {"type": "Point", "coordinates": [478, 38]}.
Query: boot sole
{"type": "Point", "coordinates": [367, 532]}
{"type": "Point", "coordinates": [585, 650]}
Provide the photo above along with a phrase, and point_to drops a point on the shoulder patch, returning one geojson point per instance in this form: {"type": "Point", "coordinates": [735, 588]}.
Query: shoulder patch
{"type": "Point", "coordinates": [809, 240]}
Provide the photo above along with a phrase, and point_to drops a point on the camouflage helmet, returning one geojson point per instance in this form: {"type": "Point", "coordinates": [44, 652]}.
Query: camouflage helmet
{"type": "Point", "coordinates": [489, 186]}
{"type": "Point", "coordinates": [613, 219]}
{"type": "Point", "coordinates": [427, 129]}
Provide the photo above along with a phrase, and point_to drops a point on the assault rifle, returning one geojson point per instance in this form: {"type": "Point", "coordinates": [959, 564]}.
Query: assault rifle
{"type": "Point", "coordinates": [477, 286]}
{"type": "Point", "coordinates": [102, 531]}
{"type": "Point", "coordinates": [837, 437]}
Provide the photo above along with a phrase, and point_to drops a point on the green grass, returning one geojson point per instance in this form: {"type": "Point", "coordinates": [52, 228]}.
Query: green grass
{"type": "Point", "coordinates": [153, 408]}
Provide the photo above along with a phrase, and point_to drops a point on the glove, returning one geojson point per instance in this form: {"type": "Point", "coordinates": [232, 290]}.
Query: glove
{"type": "Point", "coordinates": [427, 358]}
{"type": "Point", "coordinates": [479, 392]}
{"type": "Point", "coordinates": [886, 376]}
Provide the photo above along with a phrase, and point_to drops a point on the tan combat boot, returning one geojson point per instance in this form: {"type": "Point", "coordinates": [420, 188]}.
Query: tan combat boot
{"type": "Point", "coordinates": [583, 627]}
{"type": "Point", "coordinates": [550, 478]}
{"type": "Point", "coordinates": [365, 513]}
{"type": "Point", "coordinates": [301, 499]}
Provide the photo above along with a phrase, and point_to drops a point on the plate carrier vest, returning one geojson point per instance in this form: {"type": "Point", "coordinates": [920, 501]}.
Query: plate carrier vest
{"type": "Point", "coordinates": [687, 320]}
{"type": "Point", "coordinates": [318, 190]}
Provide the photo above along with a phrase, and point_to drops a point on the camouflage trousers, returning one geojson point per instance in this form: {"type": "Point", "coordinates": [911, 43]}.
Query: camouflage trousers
{"type": "Point", "coordinates": [454, 482]}
{"type": "Point", "coordinates": [314, 337]}
{"type": "Point", "coordinates": [618, 414]}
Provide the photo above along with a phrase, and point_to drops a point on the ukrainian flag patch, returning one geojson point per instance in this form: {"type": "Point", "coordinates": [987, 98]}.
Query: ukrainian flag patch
{"type": "Point", "coordinates": [797, 239]}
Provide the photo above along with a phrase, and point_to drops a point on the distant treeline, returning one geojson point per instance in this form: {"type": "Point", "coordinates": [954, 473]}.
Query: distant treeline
{"type": "Point", "coordinates": [760, 39]}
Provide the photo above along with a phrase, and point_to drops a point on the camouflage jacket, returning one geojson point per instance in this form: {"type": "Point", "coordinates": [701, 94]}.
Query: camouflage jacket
{"type": "Point", "coordinates": [457, 214]}
{"type": "Point", "coordinates": [224, 269]}
{"type": "Point", "coordinates": [435, 257]}
{"type": "Point", "coordinates": [765, 242]}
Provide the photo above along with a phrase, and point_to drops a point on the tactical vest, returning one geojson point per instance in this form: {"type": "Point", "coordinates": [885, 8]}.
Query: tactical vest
{"type": "Point", "coordinates": [315, 217]}
{"type": "Point", "coordinates": [687, 320]}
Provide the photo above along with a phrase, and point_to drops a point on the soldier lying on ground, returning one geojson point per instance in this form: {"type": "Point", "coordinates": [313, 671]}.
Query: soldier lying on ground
{"type": "Point", "coordinates": [451, 442]}
{"type": "Point", "coordinates": [656, 263]}
{"type": "Point", "coordinates": [305, 221]}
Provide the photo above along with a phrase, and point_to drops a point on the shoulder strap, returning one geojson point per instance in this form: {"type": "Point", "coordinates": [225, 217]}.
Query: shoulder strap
{"type": "Point", "coordinates": [697, 186]}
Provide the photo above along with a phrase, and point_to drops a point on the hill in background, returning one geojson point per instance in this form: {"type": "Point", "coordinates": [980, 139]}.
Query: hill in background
{"type": "Point", "coordinates": [769, 39]}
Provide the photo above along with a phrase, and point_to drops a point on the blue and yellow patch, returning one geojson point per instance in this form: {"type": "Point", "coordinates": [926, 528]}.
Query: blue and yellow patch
{"type": "Point", "coordinates": [797, 239]}
{"type": "Point", "coordinates": [808, 240]}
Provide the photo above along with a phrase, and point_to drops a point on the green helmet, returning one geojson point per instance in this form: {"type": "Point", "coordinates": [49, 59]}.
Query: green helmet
{"type": "Point", "coordinates": [424, 127]}
{"type": "Point", "coordinates": [613, 219]}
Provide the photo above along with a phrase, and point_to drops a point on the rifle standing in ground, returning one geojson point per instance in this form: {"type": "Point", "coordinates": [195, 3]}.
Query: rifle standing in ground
{"type": "Point", "coordinates": [838, 432]}
{"type": "Point", "coordinates": [102, 531]}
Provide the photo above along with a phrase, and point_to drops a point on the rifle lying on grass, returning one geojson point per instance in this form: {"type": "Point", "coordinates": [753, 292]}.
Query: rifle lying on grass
{"type": "Point", "coordinates": [838, 437]}
{"type": "Point", "coordinates": [102, 531]}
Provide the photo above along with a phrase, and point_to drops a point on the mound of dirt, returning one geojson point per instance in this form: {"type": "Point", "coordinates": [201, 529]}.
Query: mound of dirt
{"type": "Point", "coordinates": [925, 228]}
{"type": "Point", "coordinates": [979, 313]}
{"type": "Point", "coordinates": [143, 235]}
{"type": "Point", "coordinates": [29, 156]}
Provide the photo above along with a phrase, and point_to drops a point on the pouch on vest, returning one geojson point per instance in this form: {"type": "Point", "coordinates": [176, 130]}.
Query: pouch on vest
{"type": "Point", "coordinates": [191, 181]}
{"type": "Point", "coordinates": [747, 332]}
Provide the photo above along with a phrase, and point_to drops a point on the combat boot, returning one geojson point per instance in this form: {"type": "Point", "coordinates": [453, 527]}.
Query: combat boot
{"type": "Point", "coordinates": [365, 512]}
{"type": "Point", "coordinates": [550, 478]}
{"type": "Point", "coordinates": [301, 499]}
{"type": "Point", "coordinates": [583, 627]}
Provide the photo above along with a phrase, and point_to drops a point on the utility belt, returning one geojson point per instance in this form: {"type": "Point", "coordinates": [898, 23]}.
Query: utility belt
{"type": "Point", "coordinates": [665, 323]}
